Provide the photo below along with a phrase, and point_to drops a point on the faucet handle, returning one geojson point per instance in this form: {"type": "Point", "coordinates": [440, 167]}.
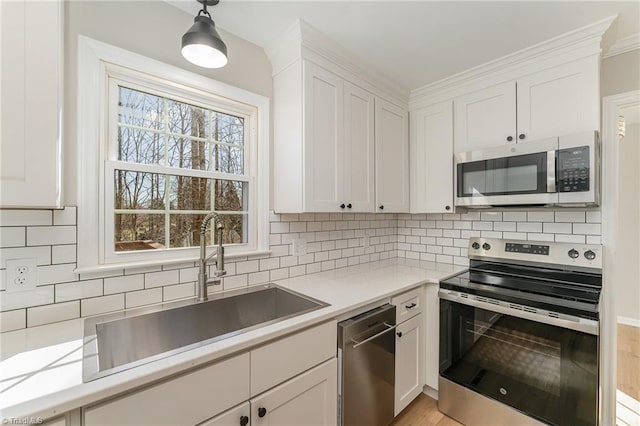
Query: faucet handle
{"type": "Point", "coordinates": [215, 281]}
{"type": "Point", "coordinates": [217, 273]}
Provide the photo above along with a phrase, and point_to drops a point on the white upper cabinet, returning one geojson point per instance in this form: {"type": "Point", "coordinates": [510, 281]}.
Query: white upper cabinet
{"type": "Point", "coordinates": [31, 42]}
{"type": "Point", "coordinates": [559, 101]}
{"type": "Point", "coordinates": [485, 118]}
{"type": "Point", "coordinates": [432, 158]}
{"type": "Point", "coordinates": [392, 158]}
{"type": "Point", "coordinates": [358, 148]}
{"type": "Point", "coordinates": [323, 136]}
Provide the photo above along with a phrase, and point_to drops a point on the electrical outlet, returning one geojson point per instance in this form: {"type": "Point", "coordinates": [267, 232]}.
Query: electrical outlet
{"type": "Point", "coordinates": [21, 274]}
{"type": "Point", "coordinates": [298, 247]}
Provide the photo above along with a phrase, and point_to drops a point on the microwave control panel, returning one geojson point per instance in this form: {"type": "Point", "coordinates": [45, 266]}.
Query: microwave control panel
{"type": "Point", "coordinates": [573, 169]}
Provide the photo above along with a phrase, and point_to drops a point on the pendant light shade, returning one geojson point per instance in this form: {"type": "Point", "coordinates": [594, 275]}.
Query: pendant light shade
{"type": "Point", "coordinates": [202, 45]}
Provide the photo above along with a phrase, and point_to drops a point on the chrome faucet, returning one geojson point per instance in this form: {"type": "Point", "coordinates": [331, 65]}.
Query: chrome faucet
{"type": "Point", "coordinates": [203, 281]}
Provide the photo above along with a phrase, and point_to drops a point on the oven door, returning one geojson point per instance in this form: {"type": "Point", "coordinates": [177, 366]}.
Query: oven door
{"type": "Point", "coordinates": [523, 174]}
{"type": "Point", "coordinates": [545, 371]}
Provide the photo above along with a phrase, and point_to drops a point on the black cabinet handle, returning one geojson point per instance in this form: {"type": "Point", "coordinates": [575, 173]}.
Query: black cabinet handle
{"type": "Point", "coordinates": [509, 138]}
{"type": "Point", "coordinates": [342, 206]}
{"type": "Point", "coordinates": [522, 136]}
{"type": "Point", "coordinates": [262, 412]}
{"type": "Point", "coordinates": [244, 421]}
{"type": "Point", "coordinates": [381, 207]}
{"type": "Point", "coordinates": [349, 205]}
{"type": "Point", "coordinates": [447, 207]}
{"type": "Point", "coordinates": [399, 333]}
{"type": "Point", "coordinates": [411, 306]}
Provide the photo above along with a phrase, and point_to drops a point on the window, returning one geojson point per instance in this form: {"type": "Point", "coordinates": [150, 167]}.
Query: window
{"type": "Point", "coordinates": [173, 146]}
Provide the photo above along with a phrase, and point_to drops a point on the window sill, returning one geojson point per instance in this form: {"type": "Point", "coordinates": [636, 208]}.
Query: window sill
{"type": "Point", "coordinates": [144, 264]}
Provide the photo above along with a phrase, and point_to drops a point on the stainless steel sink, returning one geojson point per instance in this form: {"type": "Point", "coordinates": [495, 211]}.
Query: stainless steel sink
{"type": "Point", "coordinates": [120, 341]}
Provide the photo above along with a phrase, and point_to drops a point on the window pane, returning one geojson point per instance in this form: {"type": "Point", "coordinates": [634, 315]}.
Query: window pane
{"type": "Point", "coordinates": [140, 109]}
{"type": "Point", "coordinates": [185, 230]}
{"type": "Point", "coordinates": [227, 128]}
{"type": "Point", "coordinates": [187, 153]}
{"type": "Point", "coordinates": [235, 228]}
{"type": "Point", "coordinates": [140, 146]}
{"type": "Point", "coordinates": [231, 195]}
{"type": "Point", "coordinates": [139, 190]}
{"type": "Point", "coordinates": [228, 159]}
{"type": "Point", "coordinates": [189, 193]}
{"type": "Point", "coordinates": [139, 232]}
{"type": "Point", "coordinates": [188, 120]}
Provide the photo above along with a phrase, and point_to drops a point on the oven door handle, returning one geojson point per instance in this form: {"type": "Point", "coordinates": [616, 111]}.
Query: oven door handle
{"type": "Point", "coordinates": [570, 322]}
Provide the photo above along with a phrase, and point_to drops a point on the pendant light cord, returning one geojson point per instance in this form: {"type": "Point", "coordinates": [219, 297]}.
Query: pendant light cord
{"type": "Point", "coordinates": [204, 10]}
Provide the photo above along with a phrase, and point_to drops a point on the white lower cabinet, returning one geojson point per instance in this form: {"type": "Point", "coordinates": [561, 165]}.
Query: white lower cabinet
{"type": "Point", "coordinates": [240, 415]}
{"type": "Point", "coordinates": [409, 362]}
{"type": "Point", "coordinates": [308, 399]}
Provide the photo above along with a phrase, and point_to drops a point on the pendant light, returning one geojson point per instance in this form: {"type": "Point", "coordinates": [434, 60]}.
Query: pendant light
{"type": "Point", "coordinates": [202, 45]}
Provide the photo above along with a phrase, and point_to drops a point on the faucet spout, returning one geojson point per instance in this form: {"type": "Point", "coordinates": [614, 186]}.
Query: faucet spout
{"type": "Point", "coordinates": [202, 263]}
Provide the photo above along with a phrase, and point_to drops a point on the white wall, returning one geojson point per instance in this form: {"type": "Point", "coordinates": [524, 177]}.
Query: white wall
{"type": "Point", "coordinates": [620, 73]}
{"type": "Point", "coordinates": [628, 262]}
{"type": "Point", "coordinates": [153, 29]}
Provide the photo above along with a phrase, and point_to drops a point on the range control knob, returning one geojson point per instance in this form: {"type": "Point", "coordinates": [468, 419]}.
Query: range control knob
{"type": "Point", "coordinates": [475, 246]}
{"type": "Point", "coordinates": [573, 253]}
{"type": "Point", "coordinates": [486, 246]}
{"type": "Point", "coordinates": [590, 255]}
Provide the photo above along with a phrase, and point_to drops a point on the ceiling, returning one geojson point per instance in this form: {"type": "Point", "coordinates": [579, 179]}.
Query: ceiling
{"type": "Point", "coordinates": [418, 42]}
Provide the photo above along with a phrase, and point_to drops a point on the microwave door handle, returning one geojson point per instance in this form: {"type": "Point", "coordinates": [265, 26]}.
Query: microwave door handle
{"type": "Point", "coordinates": [551, 171]}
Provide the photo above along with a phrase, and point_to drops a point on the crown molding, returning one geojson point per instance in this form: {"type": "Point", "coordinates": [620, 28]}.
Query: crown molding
{"type": "Point", "coordinates": [624, 45]}
{"type": "Point", "coordinates": [303, 41]}
{"type": "Point", "coordinates": [576, 44]}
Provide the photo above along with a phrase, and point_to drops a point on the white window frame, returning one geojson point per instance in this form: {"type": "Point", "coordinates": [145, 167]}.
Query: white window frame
{"type": "Point", "coordinates": [101, 68]}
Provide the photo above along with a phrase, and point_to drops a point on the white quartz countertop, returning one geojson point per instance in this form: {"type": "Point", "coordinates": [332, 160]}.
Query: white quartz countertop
{"type": "Point", "coordinates": [41, 367]}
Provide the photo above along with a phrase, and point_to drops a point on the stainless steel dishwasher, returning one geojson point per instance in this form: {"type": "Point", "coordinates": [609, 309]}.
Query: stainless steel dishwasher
{"type": "Point", "coordinates": [366, 368]}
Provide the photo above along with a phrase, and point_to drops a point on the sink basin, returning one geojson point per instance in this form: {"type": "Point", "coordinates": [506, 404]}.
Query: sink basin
{"type": "Point", "coordinates": [120, 341]}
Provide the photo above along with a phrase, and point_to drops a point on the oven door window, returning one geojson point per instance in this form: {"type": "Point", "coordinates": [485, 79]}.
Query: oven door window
{"type": "Point", "coordinates": [522, 174]}
{"type": "Point", "coordinates": [548, 372]}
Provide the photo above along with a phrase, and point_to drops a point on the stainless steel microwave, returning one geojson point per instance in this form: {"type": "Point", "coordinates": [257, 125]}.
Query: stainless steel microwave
{"type": "Point", "coordinates": [560, 171]}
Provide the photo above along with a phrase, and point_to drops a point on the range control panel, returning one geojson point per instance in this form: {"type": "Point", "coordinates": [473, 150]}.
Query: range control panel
{"type": "Point", "coordinates": [527, 248]}
{"type": "Point", "coordinates": [573, 169]}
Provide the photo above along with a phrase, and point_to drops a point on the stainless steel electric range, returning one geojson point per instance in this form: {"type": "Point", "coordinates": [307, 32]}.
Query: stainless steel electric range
{"type": "Point", "coordinates": [519, 334]}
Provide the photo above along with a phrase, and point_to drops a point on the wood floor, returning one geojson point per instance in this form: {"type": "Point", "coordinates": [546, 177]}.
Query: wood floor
{"type": "Point", "coordinates": [423, 411]}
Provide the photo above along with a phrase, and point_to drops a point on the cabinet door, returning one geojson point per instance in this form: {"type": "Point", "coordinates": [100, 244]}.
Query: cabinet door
{"type": "Point", "coordinates": [237, 416]}
{"type": "Point", "coordinates": [431, 138]}
{"type": "Point", "coordinates": [358, 149]}
{"type": "Point", "coordinates": [323, 134]}
{"type": "Point", "coordinates": [485, 118]}
{"type": "Point", "coordinates": [559, 101]}
{"type": "Point", "coordinates": [409, 362]}
{"type": "Point", "coordinates": [30, 103]}
{"type": "Point", "coordinates": [308, 399]}
{"type": "Point", "coordinates": [392, 158]}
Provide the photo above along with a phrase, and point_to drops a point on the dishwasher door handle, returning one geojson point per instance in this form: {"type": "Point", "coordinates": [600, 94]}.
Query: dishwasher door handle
{"type": "Point", "coordinates": [362, 342]}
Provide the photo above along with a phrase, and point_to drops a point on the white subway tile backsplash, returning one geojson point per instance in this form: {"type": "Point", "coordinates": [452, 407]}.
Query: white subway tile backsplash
{"type": "Point", "coordinates": [570, 216]}
{"type": "Point", "coordinates": [594, 216]}
{"type": "Point", "coordinates": [483, 226]}
{"type": "Point", "coordinates": [557, 228]}
{"type": "Point", "coordinates": [78, 290]}
{"type": "Point", "coordinates": [247, 267]}
{"type": "Point", "coordinates": [124, 283]}
{"type": "Point", "coordinates": [143, 297]}
{"type": "Point", "coordinates": [24, 299]}
{"type": "Point", "coordinates": [529, 227]}
{"type": "Point", "coordinates": [587, 228]}
{"type": "Point", "coordinates": [42, 254]}
{"type": "Point", "coordinates": [13, 320]}
{"type": "Point", "coordinates": [491, 216]}
{"type": "Point", "coordinates": [514, 216]}
{"type": "Point", "coordinates": [159, 279]}
{"type": "Point", "coordinates": [50, 235]}
{"type": "Point", "coordinates": [504, 226]}
{"type": "Point", "coordinates": [514, 235]}
{"type": "Point", "coordinates": [57, 274]}
{"type": "Point", "coordinates": [180, 291]}
{"type": "Point", "coordinates": [67, 216]}
{"type": "Point", "coordinates": [53, 313]}
{"type": "Point", "coordinates": [540, 216]}
{"type": "Point", "coordinates": [540, 237]}
{"type": "Point", "coordinates": [25, 217]}
{"type": "Point", "coordinates": [570, 238]}
{"type": "Point", "coordinates": [101, 305]}
{"type": "Point", "coordinates": [12, 236]}
{"type": "Point", "coordinates": [594, 239]}
{"type": "Point", "coordinates": [63, 254]}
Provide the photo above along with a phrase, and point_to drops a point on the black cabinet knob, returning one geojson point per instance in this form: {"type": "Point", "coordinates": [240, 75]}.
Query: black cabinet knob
{"type": "Point", "coordinates": [381, 207]}
{"type": "Point", "coordinates": [522, 136]}
{"type": "Point", "coordinates": [244, 421]}
{"type": "Point", "coordinates": [262, 412]}
{"type": "Point", "coordinates": [342, 206]}
{"type": "Point", "coordinates": [509, 138]}
{"type": "Point", "coordinates": [411, 306]}
{"type": "Point", "coordinates": [447, 207]}
{"type": "Point", "coordinates": [349, 205]}
{"type": "Point", "coordinates": [399, 333]}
